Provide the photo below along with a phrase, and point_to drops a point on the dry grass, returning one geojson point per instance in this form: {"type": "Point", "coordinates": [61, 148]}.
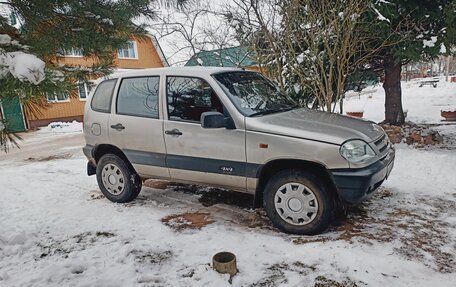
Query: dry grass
{"type": "Point", "coordinates": [78, 242]}
{"type": "Point", "coordinates": [158, 184]}
{"type": "Point", "coordinates": [276, 275]}
{"type": "Point", "coordinates": [416, 228]}
{"type": "Point", "coordinates": [150, 257]}
{"type": "Point", "coordinates": [49, 158]}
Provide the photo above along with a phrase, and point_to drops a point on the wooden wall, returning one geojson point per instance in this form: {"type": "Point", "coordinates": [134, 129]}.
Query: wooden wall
{"type": "Point", "coordinates": [148, 57]}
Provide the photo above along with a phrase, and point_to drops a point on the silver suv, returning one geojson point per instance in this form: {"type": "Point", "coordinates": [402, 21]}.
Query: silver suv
{"type": "Point", "coordinates": [233, 129]}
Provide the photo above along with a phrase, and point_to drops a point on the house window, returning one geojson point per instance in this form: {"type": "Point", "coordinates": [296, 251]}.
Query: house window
{"type": "Point", "coordinates": [58, 97]}
{"type": "Point", "coordinates": [83, 91]}
{"type": "Point", "coordinates": [129, 51]}
{"type": "Point", "coordinates": [73, 52]}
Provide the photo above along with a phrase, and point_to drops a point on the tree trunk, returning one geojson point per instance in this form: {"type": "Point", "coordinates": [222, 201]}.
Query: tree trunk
{"type": "Point", "coordinates": [447, 68]}
{"type": "Point", "coordinates": [393, 95]}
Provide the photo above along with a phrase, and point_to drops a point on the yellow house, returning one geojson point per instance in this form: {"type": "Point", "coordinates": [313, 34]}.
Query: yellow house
{"type": "Point", "coordinates": [139, 53]}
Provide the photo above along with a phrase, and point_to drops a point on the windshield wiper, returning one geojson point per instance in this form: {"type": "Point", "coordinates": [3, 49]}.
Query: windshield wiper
{"type": "Point", "coordinates": [267, 112]}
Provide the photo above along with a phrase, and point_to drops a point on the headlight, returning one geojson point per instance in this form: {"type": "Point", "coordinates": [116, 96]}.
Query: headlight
{"type": "Point", "coordinates": [357, 151]}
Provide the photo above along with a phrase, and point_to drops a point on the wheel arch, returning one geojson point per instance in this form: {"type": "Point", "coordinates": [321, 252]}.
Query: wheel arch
{"type": "Point", "coordinates": [274, 166]}
{"type": "Point", "coordinates": [102, 149]}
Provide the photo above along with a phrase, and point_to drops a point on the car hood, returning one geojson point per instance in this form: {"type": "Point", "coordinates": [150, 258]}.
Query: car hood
{"type": "Point", "coordinates": [315, 125]}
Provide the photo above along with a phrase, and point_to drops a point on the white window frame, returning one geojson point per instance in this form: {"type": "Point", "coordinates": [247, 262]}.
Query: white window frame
{"type": "Point", "coordinates": [135, 50]}
{"type": "Point", "coordinates": [56, 100]}
{"type": "Point", "coordinates": [86, 88]}
{"type": "Point", "coordinates": [73, 53]}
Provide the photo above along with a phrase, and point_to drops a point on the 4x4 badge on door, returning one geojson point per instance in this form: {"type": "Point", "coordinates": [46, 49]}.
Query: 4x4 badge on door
{"type": "Point", "coordinates": [227, 169]}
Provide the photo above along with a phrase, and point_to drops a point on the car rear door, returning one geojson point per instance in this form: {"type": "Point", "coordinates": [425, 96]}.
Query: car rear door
{"type": "Point", "coordinates": [136, 126]}
{"type": "Point", "coordinates": [97, 113]}
{"type": "Point", "coordinates": [210, 156]}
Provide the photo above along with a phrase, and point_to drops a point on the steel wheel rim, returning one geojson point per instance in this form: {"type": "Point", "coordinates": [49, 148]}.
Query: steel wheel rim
{"type": "Point", "coordinates": [113, 179]}
{"type": "Point", "coordinates": [296, 203]}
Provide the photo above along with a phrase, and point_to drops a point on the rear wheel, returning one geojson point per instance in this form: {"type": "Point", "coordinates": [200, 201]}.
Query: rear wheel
{"type": "Point", "coordinates": [118, 182]}
{"type": "Point", "coordinates": [298, 202]}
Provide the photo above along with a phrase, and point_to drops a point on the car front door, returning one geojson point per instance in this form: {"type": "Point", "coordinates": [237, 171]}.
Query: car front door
{"type": "Point", "coordinates": [210, 156]}
{"type": "Point", "coordinates": [136, 127]}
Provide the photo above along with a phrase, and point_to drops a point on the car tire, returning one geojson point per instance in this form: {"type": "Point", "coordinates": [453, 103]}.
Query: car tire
{"type": "Point", "coordinates": [298, 202]}
{"type": "Point", "coordinates": [117, 180]}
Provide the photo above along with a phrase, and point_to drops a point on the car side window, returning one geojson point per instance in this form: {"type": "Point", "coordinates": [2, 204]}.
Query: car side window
{"type": "Point", "coordinates": [189, 97]}
{"type": "Point", "coordinates": [139, 97]}
{"type": "Point", "coordinates": [102, 97]}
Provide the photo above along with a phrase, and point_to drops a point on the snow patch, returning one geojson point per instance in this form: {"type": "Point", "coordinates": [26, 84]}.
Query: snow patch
{"type": "Point", "coordinates": [297, 88]}
{"type": "Point", "coordinates": [24, 67]}
{"type": "Point", "coordinates": [5, 39]}
{"type": "Point", "coordinates": [423, 103]}
{"type": "Point", "coordinates": [355, 106]}
{"type": "Point", "coordinates": [13, 238]}
{"type": "Point", "coordinates": [443, 49]}
{"type": "Point", "coordinates": [107, 21]}
{"type": "Point", "coordinates": [430, 43]}
{"type": "Point", "coordinates": [380, 16]}
{"type": "Point", "coordinates": [62, 127]}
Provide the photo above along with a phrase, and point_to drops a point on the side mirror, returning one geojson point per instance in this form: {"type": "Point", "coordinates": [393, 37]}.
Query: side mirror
{"type": "Point", "coordinates": [213, 120]}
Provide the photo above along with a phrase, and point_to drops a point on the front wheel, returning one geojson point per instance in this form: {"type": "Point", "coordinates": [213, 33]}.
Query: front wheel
{"type": "Point", "coordinates": [117, 181]}
{"type": "Point", "coordinates": [298, 202]}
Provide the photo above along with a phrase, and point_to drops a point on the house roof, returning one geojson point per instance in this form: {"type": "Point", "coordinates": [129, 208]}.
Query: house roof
{"type": "Point", "coordinates": [227, 57]}
{"type": "Point", "coordinates": [159, 50]}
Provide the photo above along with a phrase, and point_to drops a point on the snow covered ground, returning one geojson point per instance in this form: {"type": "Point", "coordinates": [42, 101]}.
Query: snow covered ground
{"type": "Point", "coordinates": [57, 230]}
{"type": "Point", "coordinates": [423, 103]}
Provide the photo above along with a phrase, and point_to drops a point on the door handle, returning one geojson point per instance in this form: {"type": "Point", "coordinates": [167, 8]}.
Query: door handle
{"type": "Point", "coordinates": [173, 132]}
{"type": "Point", "coordinates": [118, 127]}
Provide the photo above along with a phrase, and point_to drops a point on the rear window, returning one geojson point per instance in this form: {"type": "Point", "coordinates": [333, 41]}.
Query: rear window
{"type": "Point", "coordinates": [101, 100]}
{"type": "Point", "coordinates": [139, 97]}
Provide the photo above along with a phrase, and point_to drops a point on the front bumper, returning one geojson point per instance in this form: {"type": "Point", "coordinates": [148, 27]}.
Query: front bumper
{"type": "Point", "coordinates": [355, 185]}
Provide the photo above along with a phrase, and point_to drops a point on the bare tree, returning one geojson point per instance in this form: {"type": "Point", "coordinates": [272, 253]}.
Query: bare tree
{"type": "Point", "coordinates": [257, 25]}
{"type": "Point", "coordinates": [202, 28]}
{"type": "Point", "coordinates": [309, 47]}
{"type": "Point", "coordinates": [324, 44]}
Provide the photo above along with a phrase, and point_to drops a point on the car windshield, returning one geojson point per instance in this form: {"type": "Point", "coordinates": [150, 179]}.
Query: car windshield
{"type": "Point", "coordinates": [252, 94]}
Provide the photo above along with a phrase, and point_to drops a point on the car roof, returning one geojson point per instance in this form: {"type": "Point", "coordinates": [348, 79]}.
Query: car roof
{"type": "Point", "coordinates": [178, 71]}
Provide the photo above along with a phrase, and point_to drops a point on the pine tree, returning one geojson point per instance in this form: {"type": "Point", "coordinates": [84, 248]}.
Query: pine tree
{"type": "Point", "coordinates": [414, 30]}
{"type": "Point", "coordinates": [38, 30]}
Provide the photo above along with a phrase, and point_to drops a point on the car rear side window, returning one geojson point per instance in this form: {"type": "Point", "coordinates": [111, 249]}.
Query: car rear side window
{"type": "Point", "coordinates": [101, 101]}
{"type": "Point", "coordinates": [139, 97]}
{"type": "Point", "coordinates": [189, 97]}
